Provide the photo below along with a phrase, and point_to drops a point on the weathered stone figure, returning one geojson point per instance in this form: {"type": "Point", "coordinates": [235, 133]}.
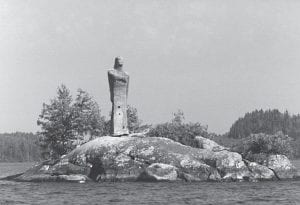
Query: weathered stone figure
{"type": "Point", "coordinates": [118, 84]}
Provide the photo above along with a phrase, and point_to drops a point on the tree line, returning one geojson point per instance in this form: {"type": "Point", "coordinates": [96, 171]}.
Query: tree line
{"type": "Point", "coordinates": [269, 122]}
{"type": "Point", "coordinates": [19, 147]}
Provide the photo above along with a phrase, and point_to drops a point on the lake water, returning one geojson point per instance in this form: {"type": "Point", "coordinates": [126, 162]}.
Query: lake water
{"type": "Point", "coordinates": [280, 192]}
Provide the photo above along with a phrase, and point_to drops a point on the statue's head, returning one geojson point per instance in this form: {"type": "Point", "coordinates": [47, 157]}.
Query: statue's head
{"type": "Point", "coordinates": [118, 62]}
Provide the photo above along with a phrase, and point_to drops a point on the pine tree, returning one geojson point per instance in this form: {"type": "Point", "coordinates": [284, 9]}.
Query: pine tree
{"type": "Point", "coordinates": [65, 123]}
{"type": "Point", "coordinates": [88, 121]}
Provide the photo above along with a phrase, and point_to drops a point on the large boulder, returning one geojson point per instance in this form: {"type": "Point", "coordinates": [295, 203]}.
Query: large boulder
{"type": "Point", "coordinates": [231, 166]}
{"type": "Point", "coordinates": [260, 172]}
{"type": "Point", "coordinates": [279, 164]}
{"type": "Point", "coordinates": [159, 172]}
{"type": "Point", "coordinates": [145, 159]}
{"type": "Point", "coordinates": [282, 166]}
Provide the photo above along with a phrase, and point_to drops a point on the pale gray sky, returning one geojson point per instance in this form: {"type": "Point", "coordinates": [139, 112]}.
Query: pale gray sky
{"type": "Point", "coordinates": [215, 60]}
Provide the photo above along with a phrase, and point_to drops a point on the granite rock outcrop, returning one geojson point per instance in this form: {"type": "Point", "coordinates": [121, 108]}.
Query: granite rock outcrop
{"type": "Point", "coordinates": [153, 159]}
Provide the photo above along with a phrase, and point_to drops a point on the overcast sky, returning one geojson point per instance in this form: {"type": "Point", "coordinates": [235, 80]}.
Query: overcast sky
{"type": "Point", "coordinates": [215, 60]}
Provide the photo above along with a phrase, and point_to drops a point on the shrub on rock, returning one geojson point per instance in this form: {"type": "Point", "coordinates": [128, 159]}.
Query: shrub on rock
{"type": "Point", "coordinates": [179, 131]}
{"type": "Point", "coordinates": [261, 145]}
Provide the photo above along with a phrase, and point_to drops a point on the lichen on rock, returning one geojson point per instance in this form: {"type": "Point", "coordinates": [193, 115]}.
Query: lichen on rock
{"type": "Point", "coordinates": [282, 166]}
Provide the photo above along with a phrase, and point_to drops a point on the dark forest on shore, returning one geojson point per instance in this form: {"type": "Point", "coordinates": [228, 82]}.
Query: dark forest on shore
{"type": "Point", "coordinates": [19, 147]}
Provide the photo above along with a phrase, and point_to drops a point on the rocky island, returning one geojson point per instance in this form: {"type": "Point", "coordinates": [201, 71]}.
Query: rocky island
{"type": "Point", "coordinates": [141, 158]}
{"type": "Point", "coordinates": [138, 157]}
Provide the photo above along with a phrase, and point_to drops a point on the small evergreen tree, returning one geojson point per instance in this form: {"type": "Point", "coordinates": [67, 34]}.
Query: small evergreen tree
{"type": "Point", "coordinates": [134, 122]}
{"type": "Point", "coordinates": [178, 117]}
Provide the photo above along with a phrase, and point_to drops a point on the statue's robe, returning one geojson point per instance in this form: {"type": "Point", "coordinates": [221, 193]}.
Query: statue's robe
{"type": "Point", "coordinates": [118, 84]}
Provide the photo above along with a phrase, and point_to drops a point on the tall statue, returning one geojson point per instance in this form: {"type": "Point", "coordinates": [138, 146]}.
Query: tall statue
{"type": "Point", "coordinates": [118, 84]}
